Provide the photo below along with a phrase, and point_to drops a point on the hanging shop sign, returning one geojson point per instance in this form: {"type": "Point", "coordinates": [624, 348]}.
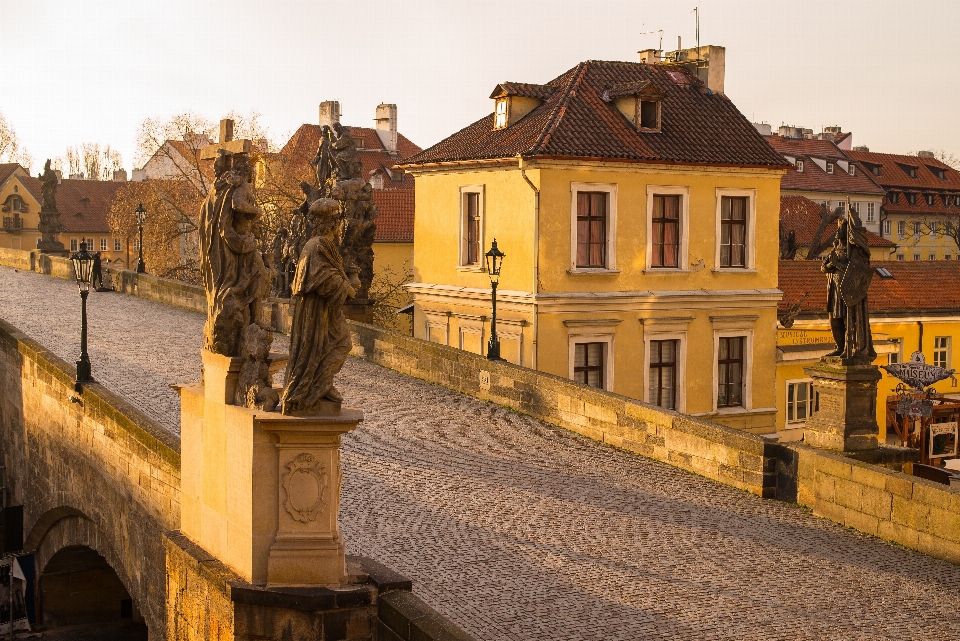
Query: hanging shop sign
{"type": "Point", "coordinates": [916, 373]}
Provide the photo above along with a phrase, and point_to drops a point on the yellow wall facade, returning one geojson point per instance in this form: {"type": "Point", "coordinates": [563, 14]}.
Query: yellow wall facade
{"type": "Point", "coordinates": [546, 304]}
{"type": "Point", "coordinates": [391, 263]}
{"type": "Point", "coordinates": [899, 336]}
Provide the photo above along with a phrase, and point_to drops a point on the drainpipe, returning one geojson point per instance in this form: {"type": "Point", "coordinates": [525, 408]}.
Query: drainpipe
{"type": "Point", "coordinates": [536, 255]}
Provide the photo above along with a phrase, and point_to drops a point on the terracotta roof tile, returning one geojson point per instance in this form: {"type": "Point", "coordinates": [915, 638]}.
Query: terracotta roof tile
{"type": "Point", "coordinates": [84, 205]}
{"type": "Point", "coordinates": [893, 174]}
{"type": "Point", "coordinates": [395, 219]}
{"type": "Point", "coordinates": [802, 216]}
{"type": "Point", "coordinates": [7, 169]}
{"type": "Point", "coordinates": [813, 178]}
{"type": "Point", "coordinates": [697, 126]}
{"type": "Point", "coordinates": [910, 289]}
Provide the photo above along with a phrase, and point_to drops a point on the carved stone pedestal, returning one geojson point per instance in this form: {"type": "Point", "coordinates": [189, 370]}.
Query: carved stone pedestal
{"type": "Point", "coordinates": [845, 418]}
{"type": "Point", "coordinates": [261, 491]}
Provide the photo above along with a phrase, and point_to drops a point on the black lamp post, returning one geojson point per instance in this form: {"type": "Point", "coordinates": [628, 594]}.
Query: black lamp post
{"type": "Point", "coordinates": [83, 267]}
{"type": "Point", "coordinates": [494, 262]}
{"type": "Point", "coordinates": [141, 217]}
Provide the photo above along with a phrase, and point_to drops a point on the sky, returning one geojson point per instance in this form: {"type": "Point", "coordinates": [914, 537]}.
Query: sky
{"type": "Point", "coordinates": [81, 71]}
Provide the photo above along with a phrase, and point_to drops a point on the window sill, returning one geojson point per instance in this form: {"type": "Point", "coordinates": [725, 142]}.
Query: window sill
{"type": "Point", "coordinates": [667, 270]}
{"type": "Point", "coordinates": [593, 271]}
{"type": "Point", "coordinates": [734, 270]}
{"type": "Point", "coordinates": [475, 269]}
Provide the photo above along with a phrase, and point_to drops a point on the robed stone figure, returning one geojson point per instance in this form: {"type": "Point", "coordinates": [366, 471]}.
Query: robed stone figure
{"type": "Point", "coordinates": [234, 274]}
{"type": "Point", "coordinates": [849, 274]}
{"type": "Point", "coordinates": [319, 335]}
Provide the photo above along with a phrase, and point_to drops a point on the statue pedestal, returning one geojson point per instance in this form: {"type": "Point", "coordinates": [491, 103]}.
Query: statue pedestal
{"type": "Point", "coordinates": [845, 418]}
{"type": "Point", "coordinates": [259, 490]}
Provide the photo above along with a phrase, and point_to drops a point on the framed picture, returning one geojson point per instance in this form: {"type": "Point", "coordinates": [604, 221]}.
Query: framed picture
{"type": "Point", "coordinates": [943, 440]}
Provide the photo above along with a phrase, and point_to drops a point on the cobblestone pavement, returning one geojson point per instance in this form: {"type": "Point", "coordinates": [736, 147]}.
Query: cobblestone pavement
{"type": "Point", "coordinates": [517, 530]}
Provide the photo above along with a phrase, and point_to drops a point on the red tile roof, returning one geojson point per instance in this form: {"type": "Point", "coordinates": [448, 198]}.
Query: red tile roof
{"type": "Point", "coordinates": [302, 147]}
{"type": "Point", "coordinates": [893, 175]}
{"type": "Point", "coordinates": [83, 204]}
{"type": "Point", "coordinates": [697, 126]}
{"type": "Point", "coordinates": [812, 178]}
{"type": "Point", "coordinates": [802, 216]}
{"type": "Point", "coordinates": [920, 206]}
{"type": "Point", "coordinates": [395, 219]}
{"type": "Point", "coordinates": [919, 285]}
{"type": "Point", "coordinates": [6, 170]}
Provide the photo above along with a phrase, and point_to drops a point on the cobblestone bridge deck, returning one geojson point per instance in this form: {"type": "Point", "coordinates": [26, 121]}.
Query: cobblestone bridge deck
{"type": "Point", "coordinates": [518, 530]}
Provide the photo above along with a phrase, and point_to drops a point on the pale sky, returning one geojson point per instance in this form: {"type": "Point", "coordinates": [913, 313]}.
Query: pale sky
{"type": "Point", "coordinates": [91, 70]}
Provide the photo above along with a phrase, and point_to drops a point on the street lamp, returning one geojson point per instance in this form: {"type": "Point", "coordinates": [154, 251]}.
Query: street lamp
{"type": "Point", "coordinates": [141, 217]}
{"type": "Point", "coordinates": [83, 267]}
{"type": "Point", "coordinates": [494, 262]}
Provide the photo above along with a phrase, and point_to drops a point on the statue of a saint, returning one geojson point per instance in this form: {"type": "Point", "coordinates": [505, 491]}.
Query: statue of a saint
{"type": "Point", "coordinates": [48, 188]}
{"type": "Point", "coordinates": [233, 270]}
{"type": "Point", "coordinates": [849, 274]}
{"type": "Point", "coordinates": [319, 335]}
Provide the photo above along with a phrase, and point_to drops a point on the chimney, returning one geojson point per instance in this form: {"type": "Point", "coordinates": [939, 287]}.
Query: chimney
{"type": "Point", "coordinates": [139, 175]}
{"type": "Point", "coordinates": [76, 176]}
{"type": "Point", "coordinates": [707, 63]}
{"type": "Point", "coordinates": [59, 175]}
{"type": "Point", "coordinates": [329, 112]}
{"type": "Point", "coordinates": [861, 148]}
{"type": "Point", "coordinates": [763, 128]}
{"type": "Point", "coordinates": [386, 118]}
{"type": "Point", "coordinates": [926, 154]}
{"type": "Point", "coordinates": [649, 56]}
{"type": "Point", "coordinates": [120, 176]}
{"type": "Point", "coordinates": [226, 130]}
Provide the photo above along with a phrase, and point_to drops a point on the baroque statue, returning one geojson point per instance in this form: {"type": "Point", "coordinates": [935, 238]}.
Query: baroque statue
{"type": "Point", "coordinates": [849, 274]}
{"type": "Point", "coordinates": [319, 334]}
{"type": "Point", "coordinates": [235, 276]}
{"type": "Point", "coordinates": [49, 225]}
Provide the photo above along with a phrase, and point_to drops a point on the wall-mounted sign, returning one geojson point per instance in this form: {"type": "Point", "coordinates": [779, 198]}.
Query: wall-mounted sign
{"type": "Point", "coordinates": [804, 337]}
{"type": "Point", "coordinates": [943, 440]}
{"type": "Point", "coordinates": [916, 373]}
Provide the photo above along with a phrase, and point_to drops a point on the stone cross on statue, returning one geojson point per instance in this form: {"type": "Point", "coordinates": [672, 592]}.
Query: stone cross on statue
{"type": "Point", "coordinates": [226, 143]}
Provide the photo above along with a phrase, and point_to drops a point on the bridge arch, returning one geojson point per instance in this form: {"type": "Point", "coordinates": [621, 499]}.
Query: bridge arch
{"type": "Point", "coordinates": [66, 541]}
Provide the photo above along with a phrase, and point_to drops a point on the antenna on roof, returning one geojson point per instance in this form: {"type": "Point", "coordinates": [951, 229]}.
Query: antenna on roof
{"type": "Point", "coordinates": [696, 10]}
{"type": "Point", "coordinates": [660, 31]}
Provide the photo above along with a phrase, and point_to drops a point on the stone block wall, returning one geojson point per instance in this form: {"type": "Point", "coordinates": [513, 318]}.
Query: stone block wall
{"type": "Point", "coordinates": [711, 450]}
{"type": "Point", "coordinates": [89, 469]}
{"type": "Point", "coordinates": [908, 510]}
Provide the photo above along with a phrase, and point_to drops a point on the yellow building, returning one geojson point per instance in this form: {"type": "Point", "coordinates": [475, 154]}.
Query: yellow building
{"type": "Point", "coordinates": [914, 306]}
{"type": "Point", "coordinates": [83, 205]}
{"type": "Point", "coordinates": [636, 207]}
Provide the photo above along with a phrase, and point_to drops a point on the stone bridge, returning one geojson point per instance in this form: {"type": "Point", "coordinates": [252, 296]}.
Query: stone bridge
{"type": "Point", "coordinates": [510, 527]}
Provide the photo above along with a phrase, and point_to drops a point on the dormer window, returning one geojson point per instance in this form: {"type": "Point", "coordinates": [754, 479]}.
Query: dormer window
{"type": "Point", "coordinates": [929, 199]}
{"type": "Point", "coordinates": [909, 170]}
{"type": "Point", "coordinates": [912, 199]}
{"type": "Point", "coordinates": [500, 118]}
{"type": "Point", "coordinates": [830, 168]}
{"type": "Point", "coordinates": [875, 170]}
{"type": "Point", "coordinates": [800, 166]}
{"type": "Point", "coordinates": [650, 114]}
{"type": "Point", "coordinates": [939, 172]}
{"type": "Point", "coordinates": [894, 197]}
{"type": "Point", "coordinates": [853, 171]}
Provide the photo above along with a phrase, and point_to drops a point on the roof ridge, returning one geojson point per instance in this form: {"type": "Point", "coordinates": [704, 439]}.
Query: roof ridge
{"type": "Point", "coordinates": [554, 119]}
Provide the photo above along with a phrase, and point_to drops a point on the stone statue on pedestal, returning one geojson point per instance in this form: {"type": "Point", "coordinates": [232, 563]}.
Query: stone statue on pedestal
{"type": "Point", "coordinates": [49, 225]}
{"type": "Point", "coordinates": [236, 278]}
{"type": "Point", "coordinates": [319, 335]}
{"type": "Point", "coordinates": [849, 274]}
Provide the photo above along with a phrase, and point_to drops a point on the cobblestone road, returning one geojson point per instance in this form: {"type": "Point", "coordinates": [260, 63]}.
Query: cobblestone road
{"type": "Point", "coordinates": [518, 530]}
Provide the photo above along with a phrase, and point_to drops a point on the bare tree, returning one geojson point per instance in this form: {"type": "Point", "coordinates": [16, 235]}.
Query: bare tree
{"type": "Point", "coordinates": [388, 294]}
{"type": "Point", "coordinates": [10, 149]}
{"type": "Point", "coordinates": [92, 161]}
{"type": "Point", "coordinates": [944, 156]}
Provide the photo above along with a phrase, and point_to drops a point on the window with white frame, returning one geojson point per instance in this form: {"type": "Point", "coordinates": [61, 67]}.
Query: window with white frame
{"type": "Point", "coordinates": [74, 243]}
{"type": "Point", "coordinates": [667, 232]}
{"type": "Point", "coordinates": [934, 228]}
{"type": "Point", "coordinates": [730, 371]}
{"type": "Point", "coordinates": [103, 244]}
{"type": "Point", "coordinates": [662, 373]}
{"type": "Point", "coordinates": [800, 166]}
{"type": "Point", "coordinates": [899, 256]}
{"type": "Point", "coordinates": [855, 205]}
{"type": "Point", "coordinates": [117, 246]}
{"type": "Point", "coordinates": [916, 256]}
{"type": "Point", "coordinates": [917, 228]}
{"type": "Point", "coordinates": [471, 226]}
{"type": "Point", "coordinates": [500, 118]}
{"type": "Point", "coordinates": [593, 216]}
{"type": "Point", "coordinates": [799, 400]}
{"type": "Point", "coordinates": [901, 228]}
{"type": "Point", "coordinates": [896, 355]}
{"type": "Point", "coordinates": [853, 170]}
{"type": "Point", "coordinates": [588, 363]}
{"type": "Point", "coordinates": [886, 227]}
{"type": "Point", "coordinates": [932, 257]}
{"type": "Point", "coordinates": [829, 167]}
{"type": "Point", "coordinates": [733, 231]}
{"type": "Point", "coordinates": [941, 352]}
{"type": "Point", "coordinates": [871, 215]}
{"type": "Point", "coordinates": [590, 351]}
